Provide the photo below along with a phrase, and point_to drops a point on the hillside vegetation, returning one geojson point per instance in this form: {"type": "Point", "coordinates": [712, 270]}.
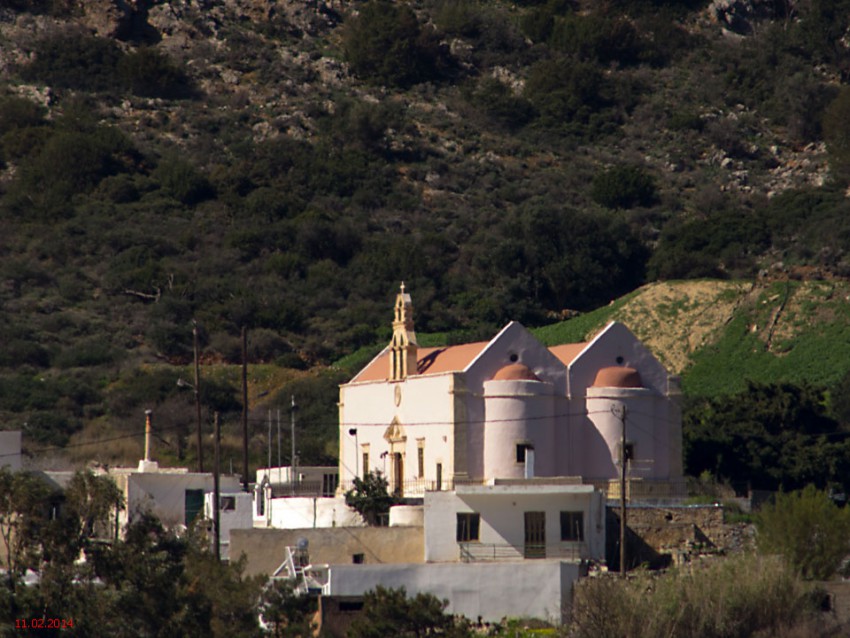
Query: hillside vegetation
{"type": "Point", "coordinates": [282, 165]}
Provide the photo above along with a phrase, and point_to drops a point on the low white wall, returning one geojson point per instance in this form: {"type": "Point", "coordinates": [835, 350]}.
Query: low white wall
{"type": "Point", "coordinates": [407, 516]}
{"type": "Point", "coordinates": [492, 591]}
{"type": "Point", "coordinates": [309, 512]}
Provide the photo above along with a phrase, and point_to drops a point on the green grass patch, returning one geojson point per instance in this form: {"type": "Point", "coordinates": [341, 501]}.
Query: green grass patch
{"type": "Point", "coordinates": [577, 329]}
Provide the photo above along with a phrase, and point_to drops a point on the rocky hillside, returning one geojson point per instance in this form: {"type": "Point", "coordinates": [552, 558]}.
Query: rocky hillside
{"type": "Point", "coordinates": [279, 166]}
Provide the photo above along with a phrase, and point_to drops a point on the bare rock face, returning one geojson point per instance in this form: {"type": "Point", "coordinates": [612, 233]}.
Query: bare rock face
{"type": "Point", "coordinates": [108, 18]}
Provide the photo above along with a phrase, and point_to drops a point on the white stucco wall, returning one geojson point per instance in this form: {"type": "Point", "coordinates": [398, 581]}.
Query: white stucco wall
{"type": "Point", "coordinates": [519, 411]}
{"type": "Point", "coordinates": [308, 512]}
{"type": "Point", "coordinates": [238, 518]}
{"type": "Point", "coordinates": [492, 591]}
{"type": "Point", "coordinates": [164, 493]}
{"type": "Point", "coordinates": [424, 411]}
{"type": "Point", "coordinates": [616, 341]}
{"type": "Point", "coordinates": [502, 520]}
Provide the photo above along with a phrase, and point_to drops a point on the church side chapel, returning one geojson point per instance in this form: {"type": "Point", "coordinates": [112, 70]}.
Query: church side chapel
{"type": "Point", "coordinates": [509, 408]}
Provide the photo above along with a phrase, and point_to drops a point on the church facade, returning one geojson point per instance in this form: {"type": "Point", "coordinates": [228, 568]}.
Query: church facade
{"type": "Point", "coordinates": [509, 408]}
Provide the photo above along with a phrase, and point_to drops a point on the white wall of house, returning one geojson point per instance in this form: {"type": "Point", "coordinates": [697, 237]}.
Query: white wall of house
{"type": "Point", "coordinates": [307, 512]}
{"type": "Point", "coordinates": [492, 591]}
{"type": "Point", "coordinates": [163, 493]}
{"type": "Point", "coordinates": [236, 517]}
{"type": "Point", "coordinates": [502, 518]}
{"type": "Point", "coordinates": [10, 450]}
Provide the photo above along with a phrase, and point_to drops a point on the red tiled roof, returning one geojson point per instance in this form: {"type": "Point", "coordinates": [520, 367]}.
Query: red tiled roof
{"type": "Point", "coordinates": [428, 361]}
{"type": "Point", "coordinates": [568, 351]}
{"type": "Point", "coordinates": [451, 359]}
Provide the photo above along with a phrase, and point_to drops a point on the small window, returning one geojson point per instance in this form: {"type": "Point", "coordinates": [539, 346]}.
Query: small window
{"type": "Point", "coordinates": [520, 451]}
{"type": "Point", "coordinates": [227, 503]}
{"type": "Point", "coordinates": [439, 476]}
{"type": "Point", "coordinates": [358, 559]}
{"type": "Point", "coordinates": [572, 526]}
{"type": "Point", "coordinates": [365, 463]}
{"type": "Point", "coordinates": [467, 527]}
{"type": "Point", "coordinates": [421, 455]}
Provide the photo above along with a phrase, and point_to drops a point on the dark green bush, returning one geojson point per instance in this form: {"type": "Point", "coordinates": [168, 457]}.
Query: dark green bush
{"type": "Point", "coordinates": [499, 102]}
{"type": "Point", "coordinates": [19, 113]}
{"type": "Point", "coordinates": [182, 181]}
{"type": "Point", "coordinates": [385, 44]}
{"type": "Point", "coordinates": [623, 187]}
{"type": "Point", "coordinates": [149, 73]}
{"type": "Point", "coordinates": [75, 61]}
{"type": "Point", "coordinates": [566, 94]}
{"type": "Point", "coordinates": [836, 130]}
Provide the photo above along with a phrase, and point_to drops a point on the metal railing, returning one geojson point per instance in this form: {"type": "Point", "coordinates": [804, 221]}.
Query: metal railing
{"type": "Point", "coordinates": [474, 552]}
{"type": "Point", "coordinates": [301, 488]}
{"type": "Point", "coordinates": [418, 487]}
{"type": "Point", "coordinates": [642, 489]}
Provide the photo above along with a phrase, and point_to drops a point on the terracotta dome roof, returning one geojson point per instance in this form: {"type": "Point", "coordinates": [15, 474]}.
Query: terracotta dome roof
{"type": "Point", "coordinates": [617, 377]}
{"type": "Point", "coordinates": [515, 372]}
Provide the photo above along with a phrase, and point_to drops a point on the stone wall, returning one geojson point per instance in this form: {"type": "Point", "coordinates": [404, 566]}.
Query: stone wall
{"type": "Point", "coordinates": [682, 530]}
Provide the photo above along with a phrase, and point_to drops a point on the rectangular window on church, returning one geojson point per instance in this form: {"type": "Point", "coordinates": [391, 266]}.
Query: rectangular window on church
{"type": "Point", "coordinates": [365, 463]}
{"type": "Point", "coordinates": [421, 456]}
{"type": "Point", "coordinates": [467, 527]}
{"type": "Point", "coordinates": [521, 449]}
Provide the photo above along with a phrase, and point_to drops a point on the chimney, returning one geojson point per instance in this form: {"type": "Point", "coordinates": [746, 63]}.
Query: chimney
{"type": "Point", "coordinates": [146, 464]}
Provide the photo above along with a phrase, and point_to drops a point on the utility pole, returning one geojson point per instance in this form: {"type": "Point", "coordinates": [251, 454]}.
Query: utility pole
{"type": "Point", "coordinates": [620, 413]}
{"type": "Point", "coordinates": [292, 469]}
{"type": "Point", "coordinates": [245, 479]}
{"type": "Point", "coordinates": [197, 390]}
{"type": "Point", "coordinates": [216, 491]}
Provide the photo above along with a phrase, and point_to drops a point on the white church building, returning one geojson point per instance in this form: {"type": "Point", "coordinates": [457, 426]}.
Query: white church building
{"type": "Point", "coordinates": [509, 408]}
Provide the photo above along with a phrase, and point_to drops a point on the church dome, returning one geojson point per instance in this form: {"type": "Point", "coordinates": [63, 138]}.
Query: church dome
{"type": "Point", "coordinates": [515, 372]}
{"type": "Point", "coordinates": [617, 377]}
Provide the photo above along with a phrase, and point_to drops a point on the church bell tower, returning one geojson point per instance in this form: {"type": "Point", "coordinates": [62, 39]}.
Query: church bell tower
{"type": "Point", "coordinates": [403, 347]}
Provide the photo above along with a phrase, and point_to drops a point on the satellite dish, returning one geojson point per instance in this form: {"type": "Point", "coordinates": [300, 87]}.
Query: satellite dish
{"type": "Point", "coordinates": [302, 544]}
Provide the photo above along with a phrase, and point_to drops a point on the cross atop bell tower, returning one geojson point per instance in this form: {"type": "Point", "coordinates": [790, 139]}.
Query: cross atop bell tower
{"type": "Point", "coordinates": [403, 347]}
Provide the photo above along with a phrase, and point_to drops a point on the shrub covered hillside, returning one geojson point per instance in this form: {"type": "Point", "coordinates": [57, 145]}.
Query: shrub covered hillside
{"type": "Point", "coordinates": [281, 165]}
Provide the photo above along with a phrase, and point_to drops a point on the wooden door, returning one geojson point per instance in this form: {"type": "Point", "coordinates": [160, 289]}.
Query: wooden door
{"type": "Point", "coordinates": [398, 474]}
{"type": "Point", "coordinates": [535, 534]}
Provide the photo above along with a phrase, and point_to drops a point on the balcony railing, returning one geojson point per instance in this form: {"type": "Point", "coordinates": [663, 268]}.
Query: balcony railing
{"type": "Point", "coordinates": [302, 488]}
{"type": "Point", "coordinates": [475, 552]}
{"type": "Point", "coordinates": [418, 487]}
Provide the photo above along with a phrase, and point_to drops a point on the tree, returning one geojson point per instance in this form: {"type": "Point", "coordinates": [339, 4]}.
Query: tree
{"type": "Point", "coordinates": [389, 612]}
{"type": "Point", "coordinates": [768, 437]}
{"type": "Point", "coordinates": [623, 187]}
{"type": "Point", "coordinates": [287, 613]}
{"type": "Point", "coordinates": [24, 509]}
{"type": "Point", "coordinates": [370, 497]}
{"type": "Point", "coordinates": [385, 44]}
{"type": "Point", "coordinates": [836, 131]}
{"type": "Point", "coordinates": [810, 531]}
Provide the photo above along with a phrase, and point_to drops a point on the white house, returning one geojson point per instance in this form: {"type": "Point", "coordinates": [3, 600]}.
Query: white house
{"type": "Point", "coordinates": [432, 418]}
{"type": "Point", "coordinates": [174, 495]}
{"type": "Point", "coordinates": [514, 548]}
